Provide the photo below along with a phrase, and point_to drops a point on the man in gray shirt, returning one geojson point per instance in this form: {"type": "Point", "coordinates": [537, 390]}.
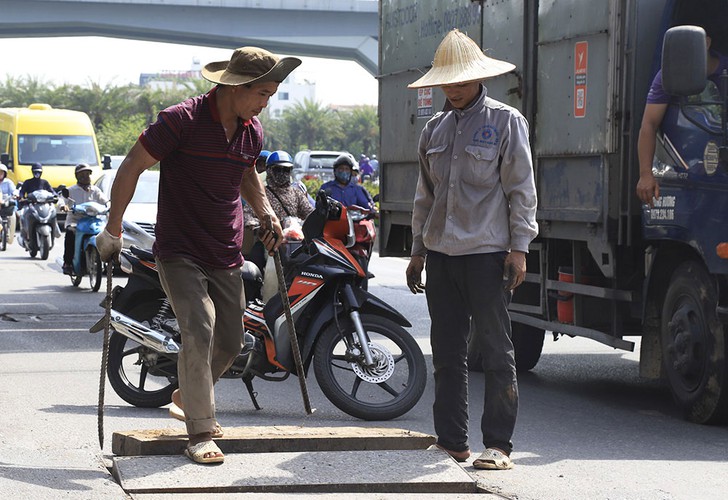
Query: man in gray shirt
{"type": "Point", "coordinates": [473, 219]}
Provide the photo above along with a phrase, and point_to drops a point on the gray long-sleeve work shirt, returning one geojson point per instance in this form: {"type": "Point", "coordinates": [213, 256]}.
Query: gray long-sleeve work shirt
{"type": "Point", "coordinates": [476, 190]}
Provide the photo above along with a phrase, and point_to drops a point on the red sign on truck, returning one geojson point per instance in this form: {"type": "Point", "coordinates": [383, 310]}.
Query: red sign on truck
{"type": "Point", "coordinates": [581, 52]}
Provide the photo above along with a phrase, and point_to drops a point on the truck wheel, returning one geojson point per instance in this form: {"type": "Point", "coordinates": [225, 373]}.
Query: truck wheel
{"type": "Point", "coordinates": [527, 344]}
{"type": "Point", "coordinates": [694, 345]}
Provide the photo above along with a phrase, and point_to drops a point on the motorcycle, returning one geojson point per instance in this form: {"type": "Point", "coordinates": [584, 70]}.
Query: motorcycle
{"type": "Point", "coordinates": [365, 362]}
{"type": "Point", "coordinates": [86, 259]}
{"type": "Point", "coordinates": [38, 225]}
{"type": "Point", "coordinates": [7, 210]}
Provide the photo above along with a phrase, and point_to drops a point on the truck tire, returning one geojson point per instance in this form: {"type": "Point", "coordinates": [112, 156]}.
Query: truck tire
{"type": "Point", "coordinates": [694, 345]}
{"type": "Point", "coordinates": [527, 344]}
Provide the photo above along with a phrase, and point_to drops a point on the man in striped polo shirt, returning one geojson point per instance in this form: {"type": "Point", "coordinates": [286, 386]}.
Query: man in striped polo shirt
{"type": "Point", "coordinates": [215, 137]}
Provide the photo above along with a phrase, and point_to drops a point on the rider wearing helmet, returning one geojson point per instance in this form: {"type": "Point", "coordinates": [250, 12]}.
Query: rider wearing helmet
{"type": "Point", "coordinates": [342, 189]}
{"type": "Point", "coordinates": [287, 200]}
{"type": "Point", "coordinates": [7, 190]}
{"type": "Point", "coordinates": [82, 192]}
{"type": "Point", "coordinates": [34, 183]}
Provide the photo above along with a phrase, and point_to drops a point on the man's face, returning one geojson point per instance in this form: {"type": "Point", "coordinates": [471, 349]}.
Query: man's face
{"type": "Point", "coordinates": [249, 101]}
{"type": "Point", "coordinates": [83, 178]}
{"type": "Point", "coordinates": [461, 94]}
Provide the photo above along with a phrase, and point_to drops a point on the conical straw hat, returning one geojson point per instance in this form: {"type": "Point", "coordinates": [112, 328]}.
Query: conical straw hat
{"type": "Point", "coordinates": [458, 59]}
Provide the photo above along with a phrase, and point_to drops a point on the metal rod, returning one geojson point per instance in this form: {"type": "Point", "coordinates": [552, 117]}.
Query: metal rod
{"type": "Point", "coordinates": [292, 332]}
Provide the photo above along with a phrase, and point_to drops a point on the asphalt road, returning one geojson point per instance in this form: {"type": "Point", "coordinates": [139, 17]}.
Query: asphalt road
{"type": "Point", "coordinates": [588, 427]}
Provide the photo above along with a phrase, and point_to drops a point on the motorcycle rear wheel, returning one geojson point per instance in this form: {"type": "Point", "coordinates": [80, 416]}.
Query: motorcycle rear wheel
{"type": "Point", "coordinates": [150, 383]}
{"type": "Point", "coordinates": [386, 391]}
{"type": "Point", "coordinates": [94, 267]}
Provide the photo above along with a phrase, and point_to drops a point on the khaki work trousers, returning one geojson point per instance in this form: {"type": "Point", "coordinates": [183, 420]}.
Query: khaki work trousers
{"type": "Point", "coordinates": [209, 306]}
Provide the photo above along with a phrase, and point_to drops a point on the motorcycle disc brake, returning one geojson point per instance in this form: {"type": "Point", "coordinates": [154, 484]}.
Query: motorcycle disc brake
{"type": "Point", "coordinates": [383, 365]}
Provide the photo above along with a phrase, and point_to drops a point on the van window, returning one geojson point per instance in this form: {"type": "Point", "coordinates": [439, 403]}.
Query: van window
{"type": "Point", "coordinates": [62, 150]}
{"type": "Point", "coordinates": [4, 137]}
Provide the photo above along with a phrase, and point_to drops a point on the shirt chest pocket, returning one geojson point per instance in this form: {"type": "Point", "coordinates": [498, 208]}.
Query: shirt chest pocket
{"type": "Point", "coordinates": [480, 166]}
{"type": "Point", "coordinates": [438, 161]}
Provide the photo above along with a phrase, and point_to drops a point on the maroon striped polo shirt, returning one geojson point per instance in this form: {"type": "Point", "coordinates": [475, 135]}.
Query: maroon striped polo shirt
{"type": "Point", "coordinates": [199, 215]}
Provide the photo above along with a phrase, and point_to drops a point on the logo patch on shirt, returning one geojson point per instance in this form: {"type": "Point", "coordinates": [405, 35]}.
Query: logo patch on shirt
{"type": "Point", "coordinates": [487, 134]}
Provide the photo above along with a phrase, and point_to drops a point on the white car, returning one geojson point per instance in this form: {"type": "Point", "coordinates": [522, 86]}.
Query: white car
{"type": "Point", "coordinates": [140, 217]}
{"type": "Point", "coordinates": [318, 164]}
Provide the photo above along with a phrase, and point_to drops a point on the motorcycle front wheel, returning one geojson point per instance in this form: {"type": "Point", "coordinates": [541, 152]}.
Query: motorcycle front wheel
{"type": "Point", "coordinates": [44, 243]}
{"type": "Point", "coordinates": [94, 268]}
{"type": "Point", "coordinates": [139, 375]}
{"type": "Point", "coordinates": [386, 390]}
{"type": "Point", "coordinates": [4, 240]}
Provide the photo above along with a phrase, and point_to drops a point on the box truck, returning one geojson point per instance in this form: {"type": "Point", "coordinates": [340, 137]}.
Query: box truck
{"type": "Point", "coordinates": [604, 266]}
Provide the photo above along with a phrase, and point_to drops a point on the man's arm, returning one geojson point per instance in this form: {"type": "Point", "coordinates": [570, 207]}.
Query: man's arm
{"type": "Point", "coordinates": [137, 161]}
{"type": "Point", "coordinates": [647, 186]}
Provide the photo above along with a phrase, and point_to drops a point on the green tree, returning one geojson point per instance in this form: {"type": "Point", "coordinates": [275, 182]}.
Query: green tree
{"type": "Point", "coordinates": [311, 125]}
{"type": "Point", "coordinates": [118, 136]}
{"type": "Point", "coordinates": [360, 129]}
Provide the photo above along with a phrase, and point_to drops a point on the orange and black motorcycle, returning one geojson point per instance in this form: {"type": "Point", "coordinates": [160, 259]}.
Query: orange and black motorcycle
{"type": "Point", "coordinates": [365, 362]}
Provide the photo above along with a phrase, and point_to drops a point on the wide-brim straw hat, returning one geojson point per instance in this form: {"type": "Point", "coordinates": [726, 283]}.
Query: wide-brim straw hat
{"type": "Point", "coordinates": [250, 65]}
{"type": "Point", "coordinates": [458, 59]}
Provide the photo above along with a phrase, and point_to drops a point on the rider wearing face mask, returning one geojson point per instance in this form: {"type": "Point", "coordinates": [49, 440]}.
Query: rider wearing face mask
{"type": "Point", "coordinates": [81, 192]}
{"type": "Point", "coordinates": [287, 200]}
{"type": "Point", "coordinates": [284, 197]}
{"type": "Point", "coordinates": [342, 189]}
{"type": "Point", "coordinates": [34, 183]}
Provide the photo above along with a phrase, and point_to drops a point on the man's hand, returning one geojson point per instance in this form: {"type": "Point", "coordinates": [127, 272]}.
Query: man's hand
{"type": "Point", "coordinates": [414, 274]}
{"type": "Point", "coordinates": [109, 246]}
{"type": "Point", "coordinates": [648, 189]}
{"type": "Point", "coordinates": [271, 234]}
{"type": "Point", "coordinates": [514, 270]}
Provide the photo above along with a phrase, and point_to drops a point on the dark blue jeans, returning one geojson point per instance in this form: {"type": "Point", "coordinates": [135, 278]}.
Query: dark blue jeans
{"type": "Point", "coordinates": [460, 288]}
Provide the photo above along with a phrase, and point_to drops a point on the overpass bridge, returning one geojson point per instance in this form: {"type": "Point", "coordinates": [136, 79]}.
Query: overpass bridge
{"type": "Point", "coordinates": [336, 29]}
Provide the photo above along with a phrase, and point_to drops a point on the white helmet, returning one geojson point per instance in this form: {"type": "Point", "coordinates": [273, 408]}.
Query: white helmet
{"type": "Point", "coordinates": [4, 168]}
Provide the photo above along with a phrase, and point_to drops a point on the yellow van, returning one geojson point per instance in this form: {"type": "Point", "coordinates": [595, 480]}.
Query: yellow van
{"type": "Point", "coordinates": [58, 139]}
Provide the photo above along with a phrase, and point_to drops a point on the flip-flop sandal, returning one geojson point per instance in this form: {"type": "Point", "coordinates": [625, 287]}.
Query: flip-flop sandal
{"type": "Point", "coordinates": [178, 413]}
{"type": "Point", "coordinates": [493, 459]}
{"type": "Point", "coordinates": [197, 452]}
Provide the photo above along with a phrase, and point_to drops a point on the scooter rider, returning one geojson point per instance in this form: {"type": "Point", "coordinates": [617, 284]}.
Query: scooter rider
{"type": "Point", "coordinates": [29, 185]}
{"type": "Point", "coordinates": [342, 189]}
{"type": "Point", "coordinates": [7, 192]}
{"type": "Point", "coordinates": [81, 192]}
{"type": "Point", "coordinates": [34, 183]}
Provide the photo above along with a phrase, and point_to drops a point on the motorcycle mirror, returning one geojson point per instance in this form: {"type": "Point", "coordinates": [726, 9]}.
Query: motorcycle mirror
{"type": "Point", "coordinates": [64, 191]}
{"type": "Point", "coordinates": [376, 198]}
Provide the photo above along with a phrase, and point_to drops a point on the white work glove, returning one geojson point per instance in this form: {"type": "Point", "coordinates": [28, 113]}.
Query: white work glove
{"type": "Point", "coordinates": [109, 246]}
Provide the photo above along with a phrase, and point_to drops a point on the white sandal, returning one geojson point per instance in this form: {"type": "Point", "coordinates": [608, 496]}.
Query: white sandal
{"type": "Point", "coordinates": [493, 459]}
{"type": "Point", "coordinates": [197, 452]}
